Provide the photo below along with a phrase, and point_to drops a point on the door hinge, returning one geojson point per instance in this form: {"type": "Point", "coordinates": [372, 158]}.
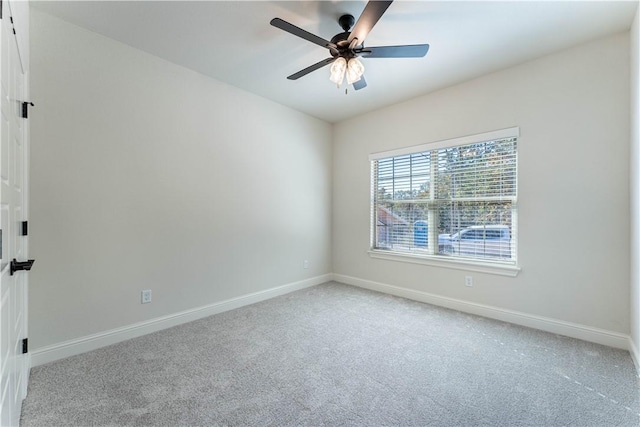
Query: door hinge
{"type": "Point", "coordinates": [25, 228]}
{"type": "Point", "coordinates": [25, 345]}
{"type": "Point", "coordinates": [16, 265]}
{"type": "Point", "coordinates": [25, 109]}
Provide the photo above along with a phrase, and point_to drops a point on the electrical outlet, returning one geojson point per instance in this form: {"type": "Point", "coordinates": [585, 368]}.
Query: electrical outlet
{"type": "Point", "coordinates": [468, 281]}
{"type": "Point", "coordinates": [305, 263]}
{"type": "Point", "coordinates": [146, 296]}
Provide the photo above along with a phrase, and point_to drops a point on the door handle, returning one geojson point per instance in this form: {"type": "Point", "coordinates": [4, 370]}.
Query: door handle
{"type": "Point", "coordinates": [20, 265]}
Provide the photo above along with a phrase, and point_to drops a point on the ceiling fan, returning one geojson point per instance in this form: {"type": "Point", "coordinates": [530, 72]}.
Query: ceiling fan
{"type": "Point", "coordinates": [346, 47]}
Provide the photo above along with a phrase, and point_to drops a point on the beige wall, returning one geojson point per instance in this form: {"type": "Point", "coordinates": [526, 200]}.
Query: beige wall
{"type": "Point", "coordinates": [635, 188]}
{"type": "Point", "coordinates": [145, 175]}
{"type": "Point", "coordinates": [572, 108]}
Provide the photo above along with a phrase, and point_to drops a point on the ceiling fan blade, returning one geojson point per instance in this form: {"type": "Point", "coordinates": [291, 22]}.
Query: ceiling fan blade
{"type": "Point", "coordinates": [360, 84]}
{"type": "Point", "coordinates": [372, 12]}
{"type": "Point", "coordinates": [406, 51]}
{"type": "Point", "coordinates": [290, 28]}
{"type": "Point", "coordinates": [311, 68]}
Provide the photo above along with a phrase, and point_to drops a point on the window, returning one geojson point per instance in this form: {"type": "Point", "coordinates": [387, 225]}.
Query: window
{"type": "Point", "coordinates": [453, 199]}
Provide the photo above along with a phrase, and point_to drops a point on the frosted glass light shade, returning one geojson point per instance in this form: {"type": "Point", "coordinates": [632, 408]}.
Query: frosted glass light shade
{"type": "Point", "coordinates": [338, 69]}
{"type": "Point", "coordinates": [355, 69]}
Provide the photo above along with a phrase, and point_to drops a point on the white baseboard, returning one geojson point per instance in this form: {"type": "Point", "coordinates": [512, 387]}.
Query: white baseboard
{"type": "Point", "coordinates": [573, 330]}
{"type": "Point", "coordinates": [91, 342]}
{"type": "Point", "coordinates": [633, 349]}
{"type": "Point", "coordinates": [64, 349]}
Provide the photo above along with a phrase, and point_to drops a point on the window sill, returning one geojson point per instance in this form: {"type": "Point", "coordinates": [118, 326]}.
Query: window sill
{"type": "Point", "coordinates": [456, 264]}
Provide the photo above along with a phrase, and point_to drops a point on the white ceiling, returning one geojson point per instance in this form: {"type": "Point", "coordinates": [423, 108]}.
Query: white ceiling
{"type": "Point", "coordinates": [233, 42]}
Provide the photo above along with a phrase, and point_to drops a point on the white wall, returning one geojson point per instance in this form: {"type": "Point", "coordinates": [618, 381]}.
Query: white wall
{"type": "Point", "coordinates": [146, 175]}
{"type": "Point", "coordinates": [635, 188]}
{"type": "Point", "coordinates": [572, 106]}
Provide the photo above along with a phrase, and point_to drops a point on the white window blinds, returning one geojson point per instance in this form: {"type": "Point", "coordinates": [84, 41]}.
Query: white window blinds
{"type": "Point", "coordinates": [448, 199]}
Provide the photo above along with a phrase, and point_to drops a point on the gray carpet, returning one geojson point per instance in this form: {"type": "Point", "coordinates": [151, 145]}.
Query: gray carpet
{"type": "Point", "coordinates": [338, 355]}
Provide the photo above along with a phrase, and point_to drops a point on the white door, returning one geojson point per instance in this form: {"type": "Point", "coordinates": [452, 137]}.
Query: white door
{"type": "Point", "coordinates": [14, 365]}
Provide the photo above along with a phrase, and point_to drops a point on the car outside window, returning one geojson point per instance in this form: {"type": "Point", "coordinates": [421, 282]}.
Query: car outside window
{"type": "Point", "coordinates": [493, 234]}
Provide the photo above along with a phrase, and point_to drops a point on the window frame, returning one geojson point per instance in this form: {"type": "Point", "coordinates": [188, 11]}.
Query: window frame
{"type": "Point", "coordinates": [500, 267]}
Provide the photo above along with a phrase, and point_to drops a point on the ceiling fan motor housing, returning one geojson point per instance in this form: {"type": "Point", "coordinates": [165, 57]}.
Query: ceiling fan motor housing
{"type": "Point", "coordinates": [341, 39]}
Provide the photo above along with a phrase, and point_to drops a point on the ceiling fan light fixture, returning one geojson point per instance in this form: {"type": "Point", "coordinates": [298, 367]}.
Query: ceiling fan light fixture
{"type": "Point", "coordinates": [346, 46]}
{"type": "Point", "coordinates": [355, 70]}
{"type": "Point", "coordinates": [338, 68]}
